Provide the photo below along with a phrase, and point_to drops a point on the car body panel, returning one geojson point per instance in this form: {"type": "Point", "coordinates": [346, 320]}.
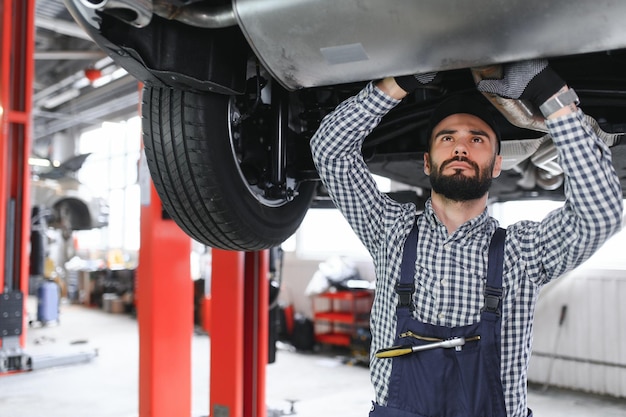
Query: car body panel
{"type": "Point", "coordinates": [309, 43]}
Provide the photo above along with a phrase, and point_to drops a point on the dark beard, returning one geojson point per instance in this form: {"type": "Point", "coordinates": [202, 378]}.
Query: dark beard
{"type": "Point", "coordinates": [458, 187]}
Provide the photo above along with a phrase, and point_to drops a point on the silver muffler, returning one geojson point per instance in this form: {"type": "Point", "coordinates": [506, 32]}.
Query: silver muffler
{"type": "Point", "coordinates": [138, 13]}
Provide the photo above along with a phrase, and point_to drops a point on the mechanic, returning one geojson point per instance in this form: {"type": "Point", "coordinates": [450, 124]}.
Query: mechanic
{"type": "Point", "coordinates": [473, 329]}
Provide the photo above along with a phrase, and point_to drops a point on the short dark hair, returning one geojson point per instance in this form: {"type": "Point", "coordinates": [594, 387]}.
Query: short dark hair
{"type": "Point", "coordinates": [464, 103]}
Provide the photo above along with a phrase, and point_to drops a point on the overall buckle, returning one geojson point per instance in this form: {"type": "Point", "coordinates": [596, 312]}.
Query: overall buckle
{"type": "Point", "coordinates": [405, 295]}
{"type": "Point", "coordinates": [493, 296]}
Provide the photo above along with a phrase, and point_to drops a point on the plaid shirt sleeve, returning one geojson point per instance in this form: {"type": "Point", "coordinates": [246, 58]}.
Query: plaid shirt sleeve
{"type": "Point", "coordinates": [593, 203]}
{"type": "Point", "coordinates": [336, 148]}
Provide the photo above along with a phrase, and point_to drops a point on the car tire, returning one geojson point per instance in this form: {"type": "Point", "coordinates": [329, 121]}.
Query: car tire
{"type": "Point", "coordinates": [189, 148]}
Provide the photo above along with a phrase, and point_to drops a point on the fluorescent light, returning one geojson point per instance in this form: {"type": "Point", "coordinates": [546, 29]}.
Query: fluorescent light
{"type": "Point", "coordinates": [60, 98]}
{"type": "Point", "coordinates": [40, 162]}
{"type": "Point", "coordinates": [105, 79]}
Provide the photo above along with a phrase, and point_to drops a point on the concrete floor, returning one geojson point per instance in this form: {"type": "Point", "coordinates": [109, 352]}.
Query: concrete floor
{"type": "Point", "coordinates": [321, 384]}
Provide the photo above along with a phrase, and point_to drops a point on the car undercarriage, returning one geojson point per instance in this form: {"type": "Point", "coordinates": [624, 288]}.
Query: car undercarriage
{"type": "Point", "coordinates": [233, 92]}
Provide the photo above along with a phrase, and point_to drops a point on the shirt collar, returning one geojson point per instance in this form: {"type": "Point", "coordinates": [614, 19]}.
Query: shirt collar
{"type": "Point", "coordinates": [480, 222]}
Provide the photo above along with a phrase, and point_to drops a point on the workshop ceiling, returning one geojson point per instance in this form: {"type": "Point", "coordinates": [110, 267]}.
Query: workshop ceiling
{"type": "Point", "coordinates": [76, 85]}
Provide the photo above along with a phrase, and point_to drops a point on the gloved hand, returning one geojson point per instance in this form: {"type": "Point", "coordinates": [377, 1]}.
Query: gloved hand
{"type": "Point", "coordinates": [410, 83]}
{"type": "Point", "coordinates": [531, 80]}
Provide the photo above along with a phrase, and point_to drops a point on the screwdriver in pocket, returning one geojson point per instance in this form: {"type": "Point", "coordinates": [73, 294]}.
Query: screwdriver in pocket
{"type": "Point", "coordinates": [394, 351]}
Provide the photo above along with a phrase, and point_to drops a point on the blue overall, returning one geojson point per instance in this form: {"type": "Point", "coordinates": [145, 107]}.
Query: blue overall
{"type": "Point", "coordinates": [447, 382]}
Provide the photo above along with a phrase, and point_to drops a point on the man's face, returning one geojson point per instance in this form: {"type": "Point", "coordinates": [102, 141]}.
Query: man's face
{"type": "Point", "coordinates": [463, 158]}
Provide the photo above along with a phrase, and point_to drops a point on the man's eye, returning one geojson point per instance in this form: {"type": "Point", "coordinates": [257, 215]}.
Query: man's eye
{"type": "Point", "coordinates": [477, 139]}
{"type": "Point", "coordinates": [446, 138]}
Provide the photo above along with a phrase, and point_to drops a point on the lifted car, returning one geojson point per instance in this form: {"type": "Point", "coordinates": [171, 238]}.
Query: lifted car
{"type": "Point", "coordinates": [67, 204]}
{"type": "Point", "coordinates": [234, 90]}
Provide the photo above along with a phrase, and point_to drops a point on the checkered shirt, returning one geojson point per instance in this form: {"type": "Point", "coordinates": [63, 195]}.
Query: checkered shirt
{"type": "Point", "coordinates": [451, 269]}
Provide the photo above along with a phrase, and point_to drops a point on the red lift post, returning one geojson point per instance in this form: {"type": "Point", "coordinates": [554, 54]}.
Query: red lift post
{"type": "Point", "coordinates": [164, 296]}
{"type": "Point", "coordinates": [239, 333]}
{"type": "Point", "coordinates": [16, 76]}
{"type": "Point", "coordinates": [239, 327]}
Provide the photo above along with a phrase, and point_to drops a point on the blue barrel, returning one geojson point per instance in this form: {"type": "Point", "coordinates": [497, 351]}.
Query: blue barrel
{"type": "Point", "coordinates": [48, 302]}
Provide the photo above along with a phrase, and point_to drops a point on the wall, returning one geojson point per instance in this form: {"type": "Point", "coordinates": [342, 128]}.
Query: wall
{"type": "Point", "coordinates": [588, 351]}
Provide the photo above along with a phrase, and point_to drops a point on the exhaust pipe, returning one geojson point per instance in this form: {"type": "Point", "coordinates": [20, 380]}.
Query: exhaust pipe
{"type": "Point", "coordinates": [138, 13]}
{"type": "Point", "coordinates": [197, 14]}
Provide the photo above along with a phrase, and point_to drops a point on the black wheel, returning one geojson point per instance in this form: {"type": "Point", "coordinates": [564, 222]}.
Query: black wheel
{"type": "Point", "coordinates": [212, 169]}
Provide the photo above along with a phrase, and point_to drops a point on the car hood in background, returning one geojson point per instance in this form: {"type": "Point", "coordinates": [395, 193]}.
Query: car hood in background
{"type": "Point", "coordinates": [308, 43]}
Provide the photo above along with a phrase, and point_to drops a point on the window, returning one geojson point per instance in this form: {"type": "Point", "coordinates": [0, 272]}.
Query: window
{"type": "Point", "coordinates": [324, 233]}
{"type": "Point", "coordinates": [111, 171]}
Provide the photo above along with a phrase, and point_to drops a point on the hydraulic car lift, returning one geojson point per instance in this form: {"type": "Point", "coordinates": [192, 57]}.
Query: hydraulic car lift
{"type": "Point", "coordinates": [16, 75]}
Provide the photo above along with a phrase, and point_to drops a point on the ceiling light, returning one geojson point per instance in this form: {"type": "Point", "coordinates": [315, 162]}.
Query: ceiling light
{"type": "Point", "coordinates": [60, 98]}
{"type": "Point", "coordinates": [105, 79]}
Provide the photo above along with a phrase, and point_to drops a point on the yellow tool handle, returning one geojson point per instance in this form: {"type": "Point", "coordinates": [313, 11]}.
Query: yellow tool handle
{"type": "Point", "coordinates": [392, 352]}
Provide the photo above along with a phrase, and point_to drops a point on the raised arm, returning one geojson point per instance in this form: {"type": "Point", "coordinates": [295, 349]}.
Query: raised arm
{"type": "Point", "coordinates": [336, 148]}
{"type": "Point", "coordinates": [593, 207]}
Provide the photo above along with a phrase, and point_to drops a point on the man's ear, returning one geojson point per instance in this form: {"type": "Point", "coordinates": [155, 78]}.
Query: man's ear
{"type": "Point", "coordinates": [497, 167]}
{"type": "Point", "coordinates": [426, 163]}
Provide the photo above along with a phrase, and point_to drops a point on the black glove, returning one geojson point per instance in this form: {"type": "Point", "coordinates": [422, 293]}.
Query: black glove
{"type": "Point", "coordinates": [531, 80]}
{"type": "Point", "coordinates": [410, 83]}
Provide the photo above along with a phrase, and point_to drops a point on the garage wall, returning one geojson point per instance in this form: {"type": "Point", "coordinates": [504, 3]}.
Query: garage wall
{"type": "Point", "coordinates": [588, 351]}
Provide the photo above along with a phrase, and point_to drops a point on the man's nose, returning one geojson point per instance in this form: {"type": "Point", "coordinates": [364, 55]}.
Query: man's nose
{"type": "Point", "coordinates": [460, 149]}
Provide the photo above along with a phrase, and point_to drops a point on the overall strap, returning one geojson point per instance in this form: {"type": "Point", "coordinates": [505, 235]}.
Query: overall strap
{"type": "Point", "coordinates": [406, 286]}
{"type": "Point", "coordinates": [493, 287]}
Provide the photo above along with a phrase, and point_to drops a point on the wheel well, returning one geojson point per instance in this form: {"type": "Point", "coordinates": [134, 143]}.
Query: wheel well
{"type": "Point", "coordinates": [187, 57]}
{"type": "Point", "coordinates": [80, 219]}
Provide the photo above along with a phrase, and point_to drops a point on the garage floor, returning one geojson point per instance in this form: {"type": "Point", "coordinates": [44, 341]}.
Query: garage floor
{"type": "Point", "coordinates": [321, 384]}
